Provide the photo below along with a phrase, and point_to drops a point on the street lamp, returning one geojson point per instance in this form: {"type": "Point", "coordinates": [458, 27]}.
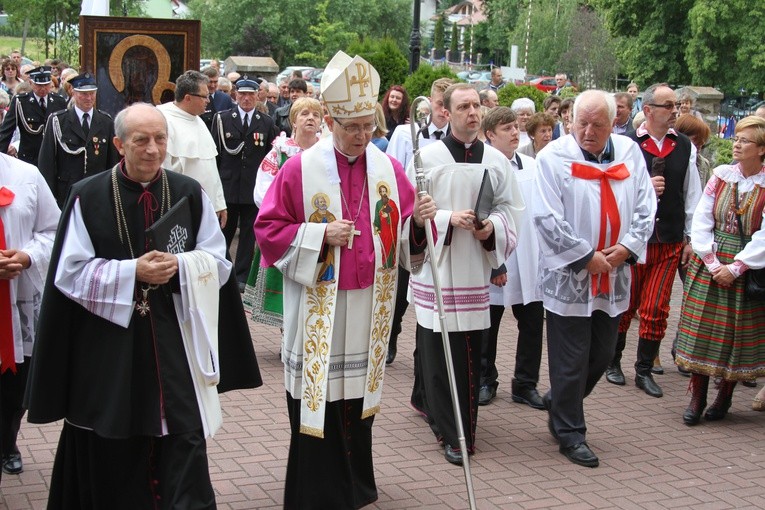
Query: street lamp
{"type": "Point", "coordinates": [414, 39]}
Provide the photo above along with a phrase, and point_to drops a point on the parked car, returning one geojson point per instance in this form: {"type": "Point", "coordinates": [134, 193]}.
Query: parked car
{"type": "Point", "coordinates": [288, 71]}
{"type": "Point", "coordinates": [546, 83]}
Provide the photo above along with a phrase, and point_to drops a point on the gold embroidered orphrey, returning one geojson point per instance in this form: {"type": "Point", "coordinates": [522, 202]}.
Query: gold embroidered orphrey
{"type": "Point", "coordinates": [318, 327]}
{"type": "Point", "coordinates": [385, 290]}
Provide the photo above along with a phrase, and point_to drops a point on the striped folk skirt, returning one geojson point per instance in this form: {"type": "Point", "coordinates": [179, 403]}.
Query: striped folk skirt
{"type": "Point", "coordinates": [721, 332]}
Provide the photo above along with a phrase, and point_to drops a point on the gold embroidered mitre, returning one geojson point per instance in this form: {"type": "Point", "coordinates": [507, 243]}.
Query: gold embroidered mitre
{"type": "Point", "coordinates": [349, 86]}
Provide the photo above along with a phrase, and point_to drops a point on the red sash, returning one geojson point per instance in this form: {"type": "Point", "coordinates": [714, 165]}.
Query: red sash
{"type": "Point", "coordinates": [7, 354]}
{"type": "Point", "coordinates": [609, 210]}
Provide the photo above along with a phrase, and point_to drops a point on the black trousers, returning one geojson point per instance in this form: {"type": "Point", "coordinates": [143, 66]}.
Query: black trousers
{"type": "Point", "coordinates": [12, 388]}
{"type": "Point", "coordinates": [335, 472]}
{"type": "Point", "coordinates": [401, 305]}
{"type": "Point", "coordinates": [466, 355]}
{"type": "Point", "coordinates": [528, 351]}
{"type": "Point", "coordinates": [241, 216]}
{"type": "Point", "coordinates": [578, 349]}
{"type": "Point", "coordinates": [489, 373]}
{"type": "Point", "coordinates": [168, 472]}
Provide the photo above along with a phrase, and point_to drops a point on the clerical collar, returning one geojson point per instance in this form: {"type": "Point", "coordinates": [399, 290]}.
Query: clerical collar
{"type": "Point", "coordinates": [130, 180]}
{"type": "Point", "coordinates": [606, 156]}
{"type": "Point", "coordinates": [351, 159]}
{"type": "Point", "coordinates": [462, 152]}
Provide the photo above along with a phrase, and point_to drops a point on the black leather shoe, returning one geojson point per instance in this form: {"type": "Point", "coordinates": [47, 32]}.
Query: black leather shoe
{"type": "Point", "coordinates": [391, 354]}
{"type": "Point", "coordinates": [580, 454]}
{"type": "Point", "coordinates": [528, 396]}
{"type": "Point", "coordinates": [647, 384]}
{"type": "Point", "coordinates": [712, 414]}
{"type": "Point", "coordinates": [486, 395]}
{"type": "Point", "coordinates": [453, 455]}
{"type": "Point", "coordinates": [614, 375]}
{"type": "Point", "coordinates": [12, 464]}
{"type": "Point", "coordinates": [749, 384]}
{"type": "Point", "coordinates": [683, 372]}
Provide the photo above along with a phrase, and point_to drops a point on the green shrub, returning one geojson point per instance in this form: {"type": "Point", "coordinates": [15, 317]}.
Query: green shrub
{"type": "Point", "coordinates": [419, 82]}
{"type": "Point", "coordinates": [510, 93]}
{"type": "Point", "coordinates": [719, 151]}
{"type": "Point", "coordinates": [386, 57]}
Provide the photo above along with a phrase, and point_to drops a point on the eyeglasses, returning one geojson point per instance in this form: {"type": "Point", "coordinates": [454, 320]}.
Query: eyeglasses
{"type": "Point", "coordinates": [666, 106]}
{"type": "Point", "coordinates": [742, 141]}
{"type": "Point", "coordinates": [206, 97]}
{"type": "Point", "coordinates": [355, 129]}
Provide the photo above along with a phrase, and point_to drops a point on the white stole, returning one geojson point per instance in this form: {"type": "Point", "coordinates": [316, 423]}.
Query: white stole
{"type": "Point", "coordinates": [197, 310]}
{"type": "Point", "coordinates": [320, 299]}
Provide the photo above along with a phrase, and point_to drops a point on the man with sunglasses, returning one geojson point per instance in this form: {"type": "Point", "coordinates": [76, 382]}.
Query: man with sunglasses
{"type": "Point", "coordinates": [671, 160]}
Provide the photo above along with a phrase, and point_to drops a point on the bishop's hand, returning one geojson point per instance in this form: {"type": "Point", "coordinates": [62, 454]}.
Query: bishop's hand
{"type": "Point", "coordinates": [424, 209]}
{"type": "Point", "coordinates": [338, 232]}
{"type": "Point", "coordinates": [156, 267]}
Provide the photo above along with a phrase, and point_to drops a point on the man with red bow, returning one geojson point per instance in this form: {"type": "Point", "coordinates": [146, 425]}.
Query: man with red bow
{"type": "Point", "coordinates": [593, 208]}
{"type": "Point", "coordinates": [28, 219]}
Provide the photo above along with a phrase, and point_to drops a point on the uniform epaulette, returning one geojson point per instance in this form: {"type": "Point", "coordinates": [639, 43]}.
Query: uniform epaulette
{"type": "Point", "coordinates": [105, 113]}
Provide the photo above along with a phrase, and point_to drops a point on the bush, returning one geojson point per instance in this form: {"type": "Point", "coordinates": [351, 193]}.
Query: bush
{"type": "Point", "coordinates": [510, 93]}
{"type": "Point", "coordinates": [719, 151]}
{"type": "Point", "coordinates": [419, 82]}
{"type": "Point", "coordinates": [386, 57]}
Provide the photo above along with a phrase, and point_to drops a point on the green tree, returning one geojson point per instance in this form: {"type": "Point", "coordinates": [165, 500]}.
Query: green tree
{"type": "Point", "coordinates": [327, 37]}
{"type": "Point", "coordinates": [454, 44]}
{"type": "Point", "coordinates": [591, 55]}
{"type": "Point", "coordinates": [467, 37]}
{"type": "Point", "coordinates": [438, 37]}
{"type": "Point", "coordinates": [721, 51]}
{"type": "Point", "coordinates": [547, 34]}
{"type": "Point", "coordinates": [386, 57]}
{"type": "Point", "coordinates": [419, 82]}
{"type": "Point", "coordinates": [652, 34]}
{"type": "Point", "coordinates": [502, 17]}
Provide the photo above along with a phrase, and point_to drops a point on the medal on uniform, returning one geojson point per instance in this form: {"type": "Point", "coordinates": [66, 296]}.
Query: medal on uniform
{"type": "Point", "coordinates": [258, 138]}
{"type": "Point", "coordinates": [96, 145]}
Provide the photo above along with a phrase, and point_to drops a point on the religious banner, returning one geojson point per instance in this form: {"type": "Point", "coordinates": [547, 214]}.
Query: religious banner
{"type": "Point", "coordinates": [137, 59]}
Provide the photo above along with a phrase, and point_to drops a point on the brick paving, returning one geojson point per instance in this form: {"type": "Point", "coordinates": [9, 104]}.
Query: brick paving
{"type": "Point", "coordinates": [648, 458]}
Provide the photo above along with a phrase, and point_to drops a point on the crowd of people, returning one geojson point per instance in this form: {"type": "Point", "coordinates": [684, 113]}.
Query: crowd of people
{"type": "Point", "coordinates": [124, 313]}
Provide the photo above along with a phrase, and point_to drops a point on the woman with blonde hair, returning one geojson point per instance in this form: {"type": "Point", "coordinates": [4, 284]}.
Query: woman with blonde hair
{"type": "Point", "coordinates": [720, 328]}
{"type": "Point", "coordinates": [262, 293]}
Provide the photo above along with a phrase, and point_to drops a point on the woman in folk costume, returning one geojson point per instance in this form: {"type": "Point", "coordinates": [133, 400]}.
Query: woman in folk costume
{"type": "Point", "coordinates": [336, 330]}
{"type": "Point", "coordinates": [720, 329]}
{"type": "Point", "coordinates": [263, 293]}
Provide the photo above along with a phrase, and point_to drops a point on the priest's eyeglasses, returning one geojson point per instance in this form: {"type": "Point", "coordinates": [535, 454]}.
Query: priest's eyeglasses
{"type": "Point", "coordinates": [355, 129]}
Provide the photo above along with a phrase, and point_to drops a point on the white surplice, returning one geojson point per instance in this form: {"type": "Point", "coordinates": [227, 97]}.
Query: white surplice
{"type": "Point", "coordinates": [191, 151]}
{"type": "Point", "coordinates": [522, 266]}
{"type": "Point", "coordinates": [567, 216]}
{"type": "Point", "coordinates": [30, 223]}
{"type": "Point", "coordinates": [464, 266]}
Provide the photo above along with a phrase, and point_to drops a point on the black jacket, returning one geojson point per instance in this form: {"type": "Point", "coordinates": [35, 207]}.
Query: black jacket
{"type": "Point", "coordinates": [26, 114]}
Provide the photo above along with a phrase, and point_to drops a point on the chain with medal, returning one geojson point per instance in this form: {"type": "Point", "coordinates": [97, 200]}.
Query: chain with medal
{"type": "Point", "coordinates": [354, 231]}
{"type": "Point", "coordinates": [142, 306]}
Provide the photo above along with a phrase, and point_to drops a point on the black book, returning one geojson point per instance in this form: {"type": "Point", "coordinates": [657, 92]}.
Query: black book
{"type": "Point", "coordinates": [485, 200]}
{"type": "Point", "coordinates": [172, 233]}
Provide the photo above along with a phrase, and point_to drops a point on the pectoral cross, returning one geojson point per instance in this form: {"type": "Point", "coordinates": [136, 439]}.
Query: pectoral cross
{"type": "Point", "coordinates": [354, 233]}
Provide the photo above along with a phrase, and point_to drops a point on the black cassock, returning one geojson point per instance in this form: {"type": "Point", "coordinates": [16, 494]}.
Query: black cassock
{"type": "Point", "coordinates": [113, 385]}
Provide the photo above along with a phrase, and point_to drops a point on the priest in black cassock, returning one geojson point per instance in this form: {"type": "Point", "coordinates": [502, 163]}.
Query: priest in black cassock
{"type": "Point", "coordinates": [116, 355]}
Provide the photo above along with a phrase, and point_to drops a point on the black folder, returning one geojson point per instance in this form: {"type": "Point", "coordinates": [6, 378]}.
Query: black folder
{"type": "Point", "coordinates": [172, 233]}
{"type": "Point", "coordinates": [485, 200]}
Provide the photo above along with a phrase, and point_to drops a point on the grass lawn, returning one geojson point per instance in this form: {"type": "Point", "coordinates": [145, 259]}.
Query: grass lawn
{"type": "Point", "coordinates": [34, 49]}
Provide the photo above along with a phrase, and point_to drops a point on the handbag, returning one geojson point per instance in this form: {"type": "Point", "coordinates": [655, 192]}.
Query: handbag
{"type": "Point", "coordinates": [754, 279]}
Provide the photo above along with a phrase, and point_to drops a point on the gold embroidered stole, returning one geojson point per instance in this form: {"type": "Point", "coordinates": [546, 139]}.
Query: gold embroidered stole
{"type": "Point", "coordinates": [322, 204]}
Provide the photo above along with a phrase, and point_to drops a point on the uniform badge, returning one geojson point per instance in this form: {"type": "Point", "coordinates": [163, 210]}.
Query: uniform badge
{"type": "Point", "coordinates": [228, 135]}
{"type": "Point", "coordinates": [233, 115]}
{"type": "Point", "coordinates": [96, 145]}
{"type": "Point", "coordinates": [258, 139]}
{"type": "Point", "coordinates": [257, 116]}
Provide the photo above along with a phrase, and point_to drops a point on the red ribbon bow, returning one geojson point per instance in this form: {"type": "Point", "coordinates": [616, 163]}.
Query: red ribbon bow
{"type": "Point", "coordinates": [609, 210]}
{"type": "Point", "coordinates": [7, 352]}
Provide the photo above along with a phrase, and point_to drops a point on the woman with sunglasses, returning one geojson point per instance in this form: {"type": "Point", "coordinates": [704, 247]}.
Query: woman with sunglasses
{"type": "Point", "coordinates": [10, 77]}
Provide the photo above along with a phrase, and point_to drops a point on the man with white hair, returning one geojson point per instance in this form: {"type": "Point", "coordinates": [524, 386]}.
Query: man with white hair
{"type": "Point", "coordinates": [585, 257]}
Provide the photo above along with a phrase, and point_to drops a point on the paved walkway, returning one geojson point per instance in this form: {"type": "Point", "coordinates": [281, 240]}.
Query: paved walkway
{"type": "Point", "coordinates": [648, 458]}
